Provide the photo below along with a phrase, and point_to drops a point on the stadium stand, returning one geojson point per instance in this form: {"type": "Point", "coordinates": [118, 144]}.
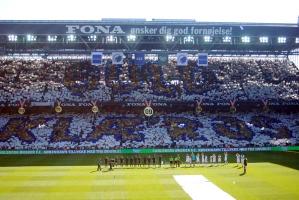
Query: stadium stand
{"type": "Point", "coordinates": [246, 95]}
{"type": "Point", "coordinates": [224, 79]}
{"type": "Point", "coordinates": [84, 131]}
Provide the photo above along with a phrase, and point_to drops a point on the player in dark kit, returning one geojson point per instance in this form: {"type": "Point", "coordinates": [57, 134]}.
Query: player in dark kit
{"type": "Point", "coordinates": [245, 165]}
{"type": "Point", "coordinates": [131, 161]}
{"type": "Point", "coordinates": [177, 161]}
{"type": "Point", "coordinates": [154, 161]}
{"type": "Point", "coordinates": [99, 166]}
{"type": "Point", "coordinates": [139, 161]}
{"type": "Point", "coordinates": [171, 161]}
{"type": "Point", "coordinates": [121, 161]}
{"type": "Point", "coordinates": [160, 160]}
{"type": "Point", "coordinates": [135, 160]}
{"type": "Point", "coordinates": [106, 161]}
{"type": "Point", "coordinates": [111, 163]}
{"type": "Point", "coordinates": [144, 161]}
{"type": "Point", "coordinates": [149, 161]}
{"type": "Point", "coordinates": [126, 161]}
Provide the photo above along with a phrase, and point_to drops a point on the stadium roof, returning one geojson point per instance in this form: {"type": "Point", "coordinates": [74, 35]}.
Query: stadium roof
{"type": "Point", "coordinates": [139, 34]}
{"type": "Point", "coordinates": [152, 21]}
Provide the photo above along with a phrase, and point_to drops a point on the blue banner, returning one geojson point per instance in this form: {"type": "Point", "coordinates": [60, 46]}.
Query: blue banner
{"type": "Point", "coordinates": [96, 58]}
{"type": "Point", "coordinates": [202, 59]}
{"type": "Point", "coordinates": [139, 59]}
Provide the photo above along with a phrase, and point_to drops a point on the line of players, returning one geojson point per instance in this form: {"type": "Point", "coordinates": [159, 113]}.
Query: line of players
{"type": "Point", "coordinates": [130, 161]}
{"type": "Point", "coordinates": [192, 159]}
{"type": "Point", "coordinates": [158, 160]}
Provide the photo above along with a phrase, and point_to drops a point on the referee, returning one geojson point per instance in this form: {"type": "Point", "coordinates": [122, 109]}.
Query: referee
{"type": "Point", "coordinates": [245, 165]}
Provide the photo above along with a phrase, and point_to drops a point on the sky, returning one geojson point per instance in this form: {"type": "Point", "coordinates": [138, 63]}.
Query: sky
{"type": "Point", "coordinates": [269, 11]}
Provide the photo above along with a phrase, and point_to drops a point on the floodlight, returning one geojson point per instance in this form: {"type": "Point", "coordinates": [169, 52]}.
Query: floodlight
{"type": "Point", "coordinates": [169, 38]}
{"type": "Point", "coordinates": [12, 38]}
{"type": "Point", "coordinates": [207, 38]}
{"type": "Point", "coordinates": [189, 39]}
{"type": "Point", "coordinates": [245, 39]}
{"type": "Point", "coordinates": [111, 39]}
{"type": "Point", "coordinates": [264, 39]}
{"type": "Point", "coordinates": [227, 39]}
{"type": "Point", "coordinates": [71, 38]}
{"type": "Point", "coordinates": [131, 38]}
{"type": "Point", "coordinates": [281, 40]}
{"type": "Point", "coordinates": [92, 38]}
{"type": "Point", "coordinates": [52, 38]}
{"type": "Point", "coordinates": [31, 38]}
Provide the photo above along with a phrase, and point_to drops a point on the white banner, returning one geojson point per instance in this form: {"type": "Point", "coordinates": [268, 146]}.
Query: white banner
{"type": "Point", "coordinates": [117, 58]}
{"type": "Point", "coordinates": [42, 103]}
{"type": "Point", "coordinates": [182, 59]}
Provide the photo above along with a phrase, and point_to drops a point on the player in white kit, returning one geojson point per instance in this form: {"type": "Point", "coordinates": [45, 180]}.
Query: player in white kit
{"type": "Point", "coordinates": [242, 159]}
{"type": "Point", "coordinates": [197, 159]}
{"type": "Point", "coordinates": [214, 158]}
{"type": "Point", "coordinates": [202, 158]}
{"type": "Point", "coordinates": [225, 157]}
{"type": "Point", "coordinates": [238, 158]}
{"type": "Point", "coordinates": [219, 158]}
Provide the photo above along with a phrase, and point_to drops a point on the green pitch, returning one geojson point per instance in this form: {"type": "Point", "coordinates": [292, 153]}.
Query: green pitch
{"type": "Point", "coordinates": [271, 175]}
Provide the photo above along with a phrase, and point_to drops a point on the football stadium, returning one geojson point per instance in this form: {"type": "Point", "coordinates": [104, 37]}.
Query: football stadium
{"type": "Point", "coordinates": [148, 109]}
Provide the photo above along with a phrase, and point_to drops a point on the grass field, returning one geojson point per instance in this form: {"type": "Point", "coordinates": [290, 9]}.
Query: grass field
{"type": "Point", "coordinates": [271, 175]}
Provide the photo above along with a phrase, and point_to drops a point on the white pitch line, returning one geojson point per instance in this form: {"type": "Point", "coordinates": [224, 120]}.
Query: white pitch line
{"type": "Point", "coordinates": [199, 187]}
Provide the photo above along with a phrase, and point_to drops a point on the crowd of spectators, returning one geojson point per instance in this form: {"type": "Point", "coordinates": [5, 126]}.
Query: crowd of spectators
{"type": "Point", "coordinates": [114, 131]}
{"type": "Point", "coordinates": [224, 79]}
{"type": "Point", "coordinates": [49, 81]}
